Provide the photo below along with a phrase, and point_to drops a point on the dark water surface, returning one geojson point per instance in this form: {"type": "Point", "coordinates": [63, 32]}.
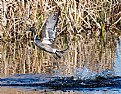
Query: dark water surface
{"type": "Point", "coordinates": [95, 83]}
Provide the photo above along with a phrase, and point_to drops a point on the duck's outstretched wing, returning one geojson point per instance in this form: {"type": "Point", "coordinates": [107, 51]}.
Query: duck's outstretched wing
{"type": "Point", "coordinates": [49, 29]}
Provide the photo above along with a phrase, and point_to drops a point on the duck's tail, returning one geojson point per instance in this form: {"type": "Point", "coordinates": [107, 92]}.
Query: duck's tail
{"type": "Point", "coordinates": [59, 53]}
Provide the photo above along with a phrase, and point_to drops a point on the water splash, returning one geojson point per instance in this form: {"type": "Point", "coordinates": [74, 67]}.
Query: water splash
{"type": "Point", "coordinates": [87, 74]}
{"type": "Point", "coordinates": [84, 73]}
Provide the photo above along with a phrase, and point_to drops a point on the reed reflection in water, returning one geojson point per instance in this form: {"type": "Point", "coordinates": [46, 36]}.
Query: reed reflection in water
{"type": "Point", "coordinates": [21, 91]}
{"type": "Point", "coordinates": [21, 56]}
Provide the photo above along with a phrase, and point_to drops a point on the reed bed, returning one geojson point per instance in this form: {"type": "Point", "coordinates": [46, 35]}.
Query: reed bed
{"type": "Point", "coordinates": [90, 28]}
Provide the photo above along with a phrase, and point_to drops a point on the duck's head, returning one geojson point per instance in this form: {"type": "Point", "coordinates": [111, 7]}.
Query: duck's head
{"type": "Point", "coordinates": [31, 29]}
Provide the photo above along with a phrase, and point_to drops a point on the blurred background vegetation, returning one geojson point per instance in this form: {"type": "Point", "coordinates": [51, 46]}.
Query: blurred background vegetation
{"type": "Point", "coordinates": [89, 26]}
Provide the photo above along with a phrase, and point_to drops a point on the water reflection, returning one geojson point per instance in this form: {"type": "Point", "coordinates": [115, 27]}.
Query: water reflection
{"type": "Point", "coordinates": [21, 91]}
{"type": "Point", "coordinates": [83, 61]}
{"type": "Point", "coordinates": [118, 58]}
{"type": "Point", "coordinates": [22, 56]}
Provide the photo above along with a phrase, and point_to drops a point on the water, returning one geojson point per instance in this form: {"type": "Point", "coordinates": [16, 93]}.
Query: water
{"type": "Point", "coordinates": [93, 83]}
{"type": "Point", "coordinates": [118, 58]}
{"type": "Point", "coordinates": [82, 80]}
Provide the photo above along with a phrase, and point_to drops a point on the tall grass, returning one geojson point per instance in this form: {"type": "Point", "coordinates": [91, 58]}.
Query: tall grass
{"type": "Point", "coordinates": [88, 26]}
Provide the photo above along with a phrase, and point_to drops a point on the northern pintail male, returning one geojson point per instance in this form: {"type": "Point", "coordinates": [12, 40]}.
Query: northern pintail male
{"type": "Point", "coordinates": [48, 35]}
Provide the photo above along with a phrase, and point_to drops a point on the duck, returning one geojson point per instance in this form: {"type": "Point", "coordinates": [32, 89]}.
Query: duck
{"type": "Point", "coordinates": [48, 35]}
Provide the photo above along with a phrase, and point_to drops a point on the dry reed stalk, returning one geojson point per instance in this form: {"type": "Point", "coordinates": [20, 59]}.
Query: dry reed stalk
{"type": "Point", "coordinates": [3, 16]}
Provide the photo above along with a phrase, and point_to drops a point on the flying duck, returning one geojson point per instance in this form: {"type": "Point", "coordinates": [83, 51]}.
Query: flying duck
{"type": "Point", "coordinates": [47, 35]}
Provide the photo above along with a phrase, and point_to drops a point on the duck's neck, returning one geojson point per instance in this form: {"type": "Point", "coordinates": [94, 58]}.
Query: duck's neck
{"type": "Point", "coordinates": [35, 38]}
